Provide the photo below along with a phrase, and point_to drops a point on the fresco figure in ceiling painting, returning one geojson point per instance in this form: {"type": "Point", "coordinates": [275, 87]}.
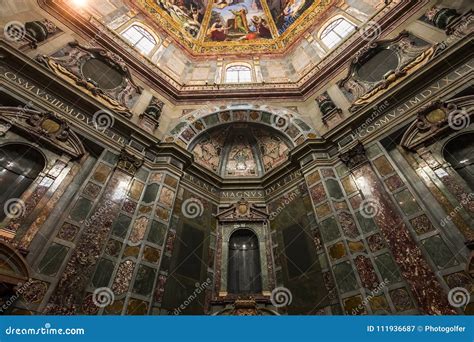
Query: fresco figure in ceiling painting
{"type": "Point", "coordinates": [217, 32]}
{"type": "Point", "coordinates": [286, 12]}
{"type": "Point", "coordinates": [234, 20]}
{"type": "Point", "coordinates": [240, 20]}
{"type": "Point", "coordinates": [188, 13]}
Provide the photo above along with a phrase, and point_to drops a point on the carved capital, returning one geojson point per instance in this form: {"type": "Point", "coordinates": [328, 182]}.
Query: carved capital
{"type": "Point", "coordinates": [354, 157]}
{"type": "Point", "coordinates": [129, 163]}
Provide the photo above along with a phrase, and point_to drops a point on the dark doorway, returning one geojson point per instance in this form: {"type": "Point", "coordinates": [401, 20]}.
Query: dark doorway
{"type": "Point", "coordinates": [459, 152]}
{"type": "Point", "coordinates": [19, 166]}
{"type": "Point", "coordinates": [244, 263]}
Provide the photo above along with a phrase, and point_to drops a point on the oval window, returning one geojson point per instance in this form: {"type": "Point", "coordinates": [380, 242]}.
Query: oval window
{"type": "Point", "coordinates": [102, 74]}
{"type": "Point", "coordinates": [377, 66]}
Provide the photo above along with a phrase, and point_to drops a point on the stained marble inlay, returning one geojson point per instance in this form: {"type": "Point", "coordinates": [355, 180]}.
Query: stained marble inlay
{"type": "Point", "coordinates": [317, 193]}
{"type": "Point", "coordinates": [426, 288]}
{"type": "Point", "coordinates": [70, 290]}
{"type": "Point", "coordinates": [123, 277]}
{"type": "Point", "coordinates": [139, 229]}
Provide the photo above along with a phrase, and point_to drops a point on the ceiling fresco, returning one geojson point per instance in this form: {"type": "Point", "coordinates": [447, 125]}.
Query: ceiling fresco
{"type": "Point", "coordinates": [234, 26]}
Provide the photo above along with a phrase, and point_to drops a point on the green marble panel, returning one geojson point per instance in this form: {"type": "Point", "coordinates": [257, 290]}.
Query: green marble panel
{"type": "Point", "coordinates": [366, 223]}
{"type": "Point", "coordinates": [120, 226]}
{"type": "Point", "coordinates": [144, 280]}
{"type": "Point", "coordinates": [53, 259]}
{"type": "Point", "coordinates": [150, 193]}
{"type": "Point", "coordinates": [439, 252]}
{"type": "Point", "coordinates": [388, 268]}
{"type": "Point", "coordinates": [157, 233]}
{"type": "Point", "coordinates": [80, 210]}
{"type": "Point", "coordinates": [103, 273]}
{"type": "Point", "coordinates": [407, 202]}
{"type": "Point", "coordinates": [334, 189]}
{"type": "Point", "coordinates": [110, 158]}
{"type": "Point", "coordinates": [330, 230]}
{"type": "Point", "coordinates": [345, 277]}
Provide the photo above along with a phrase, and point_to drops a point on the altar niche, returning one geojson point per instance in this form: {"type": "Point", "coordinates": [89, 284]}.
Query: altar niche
{"type": "Point", "coordinates": [244, 272]}
{"type": "Point", "coordinates": [244, 261]}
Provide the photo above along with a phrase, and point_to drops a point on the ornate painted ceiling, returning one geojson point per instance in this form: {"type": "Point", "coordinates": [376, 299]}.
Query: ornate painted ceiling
{"type": "Point", "coordinates": [234, 26]}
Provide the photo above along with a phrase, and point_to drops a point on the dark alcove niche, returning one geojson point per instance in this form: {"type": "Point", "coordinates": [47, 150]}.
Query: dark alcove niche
{"type": "Point", "coordinates": [458, 152]}
{"type": "Point", "coordinates": [244, 263]}
{"type": "Point", "coordinates": [19, 166]}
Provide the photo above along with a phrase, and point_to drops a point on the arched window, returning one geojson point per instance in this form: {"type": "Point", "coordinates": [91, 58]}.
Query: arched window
{"type": "Point", "coordinates": [244, 263]}
{"type": "Point", "coordinates": [238, 74]}
{"type": "Point", "coordinates": [140, 38]}
{"type": "Point", "coordinates": [19, 167]}
{"type": "Point", "coordinates": [336, 31]}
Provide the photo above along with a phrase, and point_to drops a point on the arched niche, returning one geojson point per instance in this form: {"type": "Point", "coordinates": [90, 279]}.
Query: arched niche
{"type": "Point", "coordinates": [20, 165]}
{"type": "Point", "coordinates": [287, 122]}
{"type": "Point", "coordinates": [459, 153]}
{"type": "Point", "coordinates": [244, 270]}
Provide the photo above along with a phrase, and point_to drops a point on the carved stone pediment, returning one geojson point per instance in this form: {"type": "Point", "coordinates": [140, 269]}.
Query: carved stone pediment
{"type": "Point", "coordinates": [242, 211]}
{"type": "Point", "coordinates": [406, 57]}
{"type": "Point", "coordinates": [437, 117]}
{"type": "Point", "coordinates": [69, 62]}
{"type": "Point", "coordinates": [48, 127]}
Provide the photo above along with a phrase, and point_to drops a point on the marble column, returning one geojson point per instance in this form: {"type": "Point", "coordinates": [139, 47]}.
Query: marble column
{"type": "Point", "coordinates": [427, 290]}
{"type": "Point", "coordinates": [68, 295]}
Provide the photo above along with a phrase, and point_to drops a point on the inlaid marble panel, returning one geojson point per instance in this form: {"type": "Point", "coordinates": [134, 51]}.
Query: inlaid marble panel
{"type": "Point", "coordinates": [415, 270]}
